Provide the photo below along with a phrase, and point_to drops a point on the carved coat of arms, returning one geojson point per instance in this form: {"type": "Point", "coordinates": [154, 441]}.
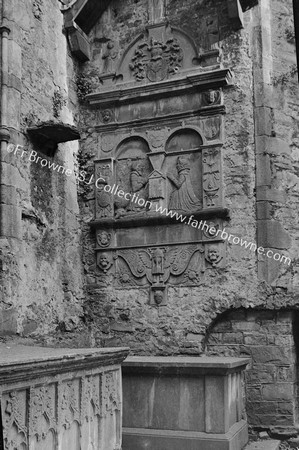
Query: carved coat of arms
{"type": "Point", "coordinates": [156, 60]}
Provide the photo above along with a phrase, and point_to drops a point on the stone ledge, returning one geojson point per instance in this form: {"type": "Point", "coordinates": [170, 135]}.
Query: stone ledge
{"type": "Point", "coordinates": [191, 82]}
{"type": "Point", "coordinates": [263, 445]}
{"type": "Point", "coordinates": [19, 363]}
{"type": "Point", "coordinates": [137, 438]}
{"type": "Point", "coordinates": [168, 365]}
{"type": "Point", "coordinates": [157, 219]}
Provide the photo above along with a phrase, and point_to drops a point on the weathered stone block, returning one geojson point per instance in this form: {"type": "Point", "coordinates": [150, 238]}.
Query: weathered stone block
{"type": "Point", "coordinates": [255, 339]}
{"type": "Point", "coordinates": [286, 408]}
{"type": "Point", "coordinates": [264, 121]}
{"type": "Point", "coordinates": [11, 221]}
{"type": "Point", "coordinates": [264, 210]}
{"type": "Point", "coordinates": [222, 326]}
{"type": "Point", "coordinates": [232, 338]}
{"type": "Point", "coordinates": [261, 374]}
{"type": "Point", "coordinates": [272, 235]}
{"type": "Point", "coordinates": [253, 394]}
{"type": "Point", "coordinates": [263, 170]}
{"type": "Point", "coordinates": [278, 392]}
{"type": "Point", "coordinates": [8, 321]}
{"type": "Point", "coordinates": [263, 407]}
{"type": "Point", "coordinates": [272, 145]}
{"type": "Point", "coordinates": [271, 354]}
{"type": "Point", "coordinates": [8, 194]}
{"type": "Point", "coordinates": [264, 193]}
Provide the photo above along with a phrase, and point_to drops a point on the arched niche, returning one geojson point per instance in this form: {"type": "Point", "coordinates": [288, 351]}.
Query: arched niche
{"type": "Point", "coordinates": [183, 167]}
{"type": "Point", "coordinates": [134, 147]}
{"type": "Point", "coordinates": [158, 54]}
{"type": "Point", "coordinates": [183, 140]}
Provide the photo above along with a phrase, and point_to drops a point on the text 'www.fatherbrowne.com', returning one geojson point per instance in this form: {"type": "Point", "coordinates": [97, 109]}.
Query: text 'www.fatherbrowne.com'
{"type": "Point", "coordinates": [100, 183]}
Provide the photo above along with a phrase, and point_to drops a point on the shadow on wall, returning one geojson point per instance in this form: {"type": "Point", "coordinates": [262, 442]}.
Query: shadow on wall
{"type": "Point", "coordinates": [271, 339]}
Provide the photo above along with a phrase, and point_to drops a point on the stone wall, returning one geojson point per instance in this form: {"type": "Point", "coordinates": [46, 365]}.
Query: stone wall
{"type": "Point", "coordinates": [269, 338]}
{"type": "Point", "coordinates": [41, 269]}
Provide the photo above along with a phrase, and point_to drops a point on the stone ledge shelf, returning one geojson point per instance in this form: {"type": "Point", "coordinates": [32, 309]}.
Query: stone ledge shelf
{"type": "Point", "coordinates": [128, 93]}
{"type": "Point", "coordinates": [175, 403]}
{"type": "Point", "coordinates": [157, 219]}
{"type": "Point", "coordinates": [61, 398]}
{"type": "Point", "coordinates": [49, 134]}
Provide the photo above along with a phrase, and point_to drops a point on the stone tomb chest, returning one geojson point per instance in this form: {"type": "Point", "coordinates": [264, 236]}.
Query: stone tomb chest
{"type": "Point", "coordinates": [60, 399]}
{"type": "Point", "coordinates": [190, 403]}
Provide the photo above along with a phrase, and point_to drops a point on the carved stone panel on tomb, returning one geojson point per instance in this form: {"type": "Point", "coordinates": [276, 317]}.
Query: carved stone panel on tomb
{"type": "Point", "coordinates": [69, 413]}
{"type": "Point", "coordinates": [15, 429]}
{"type": "Point", "coordinates": [111, 399]}
{"type": "Point", "coordinates": [90, 411]}
{"type": "Point", "coordinates": [43, 418]}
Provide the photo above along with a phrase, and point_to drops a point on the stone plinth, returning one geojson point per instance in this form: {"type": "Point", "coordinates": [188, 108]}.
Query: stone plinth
{"type": "Point", "coordinates": [61, 398]}
{"type": "Point", "coordinates": [175, 403]}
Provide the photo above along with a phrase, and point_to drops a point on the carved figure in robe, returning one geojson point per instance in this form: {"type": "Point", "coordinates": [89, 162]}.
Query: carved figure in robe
{"type": "Point", "coordinates": [109, 56]}
{"type": "Point", "coordinates": [139, 184]}
{"type": "Point", "coordinates": [183, 197]}
{"type": "Point", "coordinates": [158, 262]}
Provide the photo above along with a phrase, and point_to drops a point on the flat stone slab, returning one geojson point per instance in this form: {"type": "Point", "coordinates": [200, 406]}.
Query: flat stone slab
{"type": "Point", "coordinates": [25, 362]}
{"type": "Point", "coordinates": [268, 444]}
{"type": "Point", "coordinates": [54, 131]}
{"type": "Point", "coordinates": [182, 364]}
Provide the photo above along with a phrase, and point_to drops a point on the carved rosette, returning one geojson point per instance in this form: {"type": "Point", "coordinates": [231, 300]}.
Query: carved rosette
{"type": "Point", "coordinates": [211, 178]}
{"type": "Point", "coordinates": [111, 395]}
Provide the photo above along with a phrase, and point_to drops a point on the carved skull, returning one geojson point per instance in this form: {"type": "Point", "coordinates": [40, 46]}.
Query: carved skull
{"type": "Point", "coordinates": [159, 297]}
{"type": "Point", "coordinates": [104, 262]}
{"type": "Point", "coordinates": [214, 256]}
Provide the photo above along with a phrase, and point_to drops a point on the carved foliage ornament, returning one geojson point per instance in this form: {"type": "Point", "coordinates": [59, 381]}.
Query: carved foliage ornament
{"type": "Point", "coordinates": [156, 60]}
